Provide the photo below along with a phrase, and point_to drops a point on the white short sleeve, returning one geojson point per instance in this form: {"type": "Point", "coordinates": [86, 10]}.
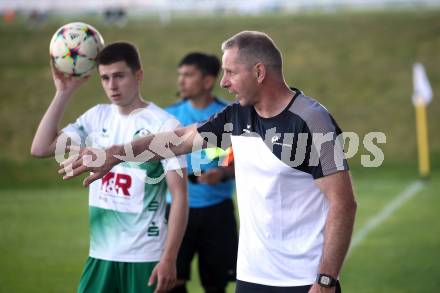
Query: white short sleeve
{"type": "Point", "coordinates": [82, 127]}
{"type": "Point", "coordinates": [178, 162]}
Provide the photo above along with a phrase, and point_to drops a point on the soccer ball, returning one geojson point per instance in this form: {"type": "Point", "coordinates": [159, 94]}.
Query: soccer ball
{"type": "Point", "coordinates": [74, 48]}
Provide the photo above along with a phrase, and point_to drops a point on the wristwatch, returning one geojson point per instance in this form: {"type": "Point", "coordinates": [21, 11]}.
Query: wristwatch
{"type": "Point", "coordinates": [326, 281]}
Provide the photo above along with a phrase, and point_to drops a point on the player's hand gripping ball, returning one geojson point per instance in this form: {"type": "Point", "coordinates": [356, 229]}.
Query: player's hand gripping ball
{"type": "Point", "coordinates": [74, 48]}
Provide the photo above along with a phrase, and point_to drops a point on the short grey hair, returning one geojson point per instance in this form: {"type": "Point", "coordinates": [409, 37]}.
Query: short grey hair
{"type": "Point", "coordinates": [254, 47]}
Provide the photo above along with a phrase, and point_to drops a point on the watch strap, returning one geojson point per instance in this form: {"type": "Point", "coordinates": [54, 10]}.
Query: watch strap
{"type": "Point", "coordinates": [325, 280]}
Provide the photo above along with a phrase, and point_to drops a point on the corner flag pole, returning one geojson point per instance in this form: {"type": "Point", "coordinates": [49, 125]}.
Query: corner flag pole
{"type": "Point", "coordinates": [422, 140]}
{"type": "Point", "coordinates": [421, 98]}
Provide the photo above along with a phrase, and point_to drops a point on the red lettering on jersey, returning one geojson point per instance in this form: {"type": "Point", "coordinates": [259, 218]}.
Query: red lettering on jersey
{"type": "Point", "coordinates": [106, 179]}
{"type": "Point", "coordinates": [123, 182]}
{"type": "Point", "coordinates": [112, 183]}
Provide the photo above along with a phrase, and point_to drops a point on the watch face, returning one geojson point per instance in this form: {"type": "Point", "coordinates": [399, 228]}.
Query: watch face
{"type": "Point", "coordinates": [325, 280]}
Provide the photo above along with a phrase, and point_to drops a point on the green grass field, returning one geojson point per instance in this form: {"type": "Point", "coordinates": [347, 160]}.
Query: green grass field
{"type": "Point", "coordinates": [357, 64]}
{"type": "Point", "coordinates": [44, 238]}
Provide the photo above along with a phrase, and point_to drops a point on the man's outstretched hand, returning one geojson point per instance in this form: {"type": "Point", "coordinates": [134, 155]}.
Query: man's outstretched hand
{"type": "Point", "coordinates": [96, 161]}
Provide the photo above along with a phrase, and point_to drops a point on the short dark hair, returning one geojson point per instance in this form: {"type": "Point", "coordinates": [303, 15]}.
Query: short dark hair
{"type": "Point", "coordinates": [120, 51]}
{"type": "Point", "coordinates": [206, 63]}
{"type": "Point", "coordinates": [254, 46]}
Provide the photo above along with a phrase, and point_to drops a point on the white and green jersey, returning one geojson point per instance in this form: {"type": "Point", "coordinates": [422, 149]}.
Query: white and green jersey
{"type": "Point", "coordinates": [126, 206]}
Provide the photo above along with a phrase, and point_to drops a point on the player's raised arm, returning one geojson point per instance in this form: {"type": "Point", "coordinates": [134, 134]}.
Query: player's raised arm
{"type": "Point", "coordinates": [43, 144]}
{"type": "Point", "coordinates": [149, 148]}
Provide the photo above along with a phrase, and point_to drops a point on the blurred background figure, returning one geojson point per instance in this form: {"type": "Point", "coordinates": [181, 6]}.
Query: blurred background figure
{"type": "Point", "coordinates": [115, 16]}
{"type": "Point", "coordinates": [8, 15]}
{"type": "Point", "coordinates": [212, 230]}
{"type": "Point", "coordinates": [37, 18]}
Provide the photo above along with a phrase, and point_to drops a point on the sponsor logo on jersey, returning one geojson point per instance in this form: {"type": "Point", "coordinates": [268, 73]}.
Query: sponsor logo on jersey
{"type": "Point", "coordinates": [275, 138]}
{"type": "Point", "coordinates": [153, 206]}
{"type": "Point", "coordinates": [116, 184]}
{"type": "Point", "coordinates": [153, 230]}
{"type": "Point", "coordinates": [275, 141]}
{"type": "Point", "coordinates": [104, 132]}
{"type": "Point", "coordinates": [141, 133]}
{"type": "Point", "coordinates": [247, 129]}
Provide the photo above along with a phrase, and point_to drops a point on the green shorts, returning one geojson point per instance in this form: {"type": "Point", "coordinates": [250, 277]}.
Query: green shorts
{"type": "Point", "coordinates": [118, 277]}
